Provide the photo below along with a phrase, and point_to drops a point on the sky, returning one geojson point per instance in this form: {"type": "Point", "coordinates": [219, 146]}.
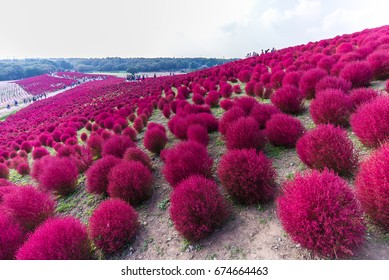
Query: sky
{"type": "Point", "coordinates": [175, 28]}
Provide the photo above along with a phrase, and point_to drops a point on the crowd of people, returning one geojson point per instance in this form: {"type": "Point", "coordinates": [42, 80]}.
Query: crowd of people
{"type": "Point", "coordinates": [254, 53]}
{"type": "Point", "coordinates": [28, 100]}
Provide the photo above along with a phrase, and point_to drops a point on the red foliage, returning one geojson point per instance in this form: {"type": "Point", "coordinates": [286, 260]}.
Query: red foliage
{"type": "Point", "coordinates": [331, 82]}
{"type": "Point", "coordinates": [112, 225]}
{"type": "Point", "coordinates": [198, 99]}
{"type": "Point", "coordinates": [130, 181]}
{"type": "Point", "coordinates": [359, 73]}
{"type": "Point", "coordinates": [197, 208]}
{"type": "Point", "coordinates": [39, 152]}
{"type": "Point", "coordinates": [23, 168]}
{"type": "Point", "coordinates": [4, 171]}
{"type": "Point", "coordinates": [229, 117]}
{"type": "Point", "coordinates": [284, 130]}
{"type": "Point", "coordinates": [246, 103]}
{"type": "Point", "coordinates": [155, 139]}
{"type": "Point", "coordinates": [198, 133]}
{"type": "Point", "coordinates": [11, 237]}
{"type": "Point", "coordinates": [372, 185]}
{"type": "Point", "coordinates": [379, 62]}
{"type": "Point", "coordinates": [58, 175]}
{"type": "Point", "coordinates": [320, 212]}
{"type": "Point", "coordinates": [28, 207]}
{"type": "Point", "coordinates": [185, 159]}
{"type": "Point", "coordinates": [331, 106]}
{"type": "Point", "coordinates": [262, 113]}
{"type": "Point", "coordinates": [136, 154]}
{"type": "Point", "coordinates": [97, 174]}
{"type": "Point", "coordinates": [226, 104]}
{"type": "Point", "coordinates": [309, 80]}
{"type": "Point", "coordinates": [329, 147]}
{"type": "Point", "coordinates": [247, 176]}
{"type": "Point", "coordinates": [130, 132]}
{"type": "Point", "coordinates": [212, 99]}
{"type": "Point", "coordinates": [26, 146]}
{"type": "Point", "coordinates": [95, 143]}
{"type": "Point", "coordinates": [360, 96]}
{"type": "Point", "coordinates": [57, 239]}
{"type": "Point", "coordinates": [245, 134]}
{"type": "Point", "coordinates": [370, 122]}
{"type": "Point", "coordinates": [288, 99]}
{"type": "Point", "coordinates": [139, 124]}
{"type": "Point", "coordinates": [117, 145]}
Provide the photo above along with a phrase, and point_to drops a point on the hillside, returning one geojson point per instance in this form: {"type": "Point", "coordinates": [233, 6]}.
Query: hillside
{"type": "Point", "coordinates": [215, 162]}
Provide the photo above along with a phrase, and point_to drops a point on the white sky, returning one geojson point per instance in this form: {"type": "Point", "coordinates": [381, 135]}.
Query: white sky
{"type": "Point", "coordinates": [175, 28]}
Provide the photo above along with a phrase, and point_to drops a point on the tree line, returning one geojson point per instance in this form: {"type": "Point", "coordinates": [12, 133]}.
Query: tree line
{"type": "Point", "coordinates": [15, 69]}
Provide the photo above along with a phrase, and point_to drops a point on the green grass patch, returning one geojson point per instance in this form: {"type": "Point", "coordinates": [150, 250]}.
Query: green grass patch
{"type": "Point", "coordinates": [273, 151]}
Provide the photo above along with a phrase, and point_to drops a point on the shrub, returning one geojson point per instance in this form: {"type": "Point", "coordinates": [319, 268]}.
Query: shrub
{"type": "Point", "coordinates": [95, 143]}
{"type": "Point", "coordinates": [226, 104]}
{"type": "Point", "coordinates": [370, 122]}
{"type": "Point", "coordinates": [57, 239]}
{"type": "Point", "coordinates": [229, 117]}
{"type": "Point", "coordinates": [197, 208]}
{"type": "Point", "coordinates": [245, 134]}
{"type": "Point", "coordinates": [117, 145]}
{"type": "Point", "coordinates": [155, 140]}
{"type": "Point", "coordinates": [372, 185]}
{"type": "Point", "coordinates": [58, 175]}
{"type": "Point", "coordinates": [23, 168]}
{"type": "Point", "coordinates": [122, 221]}
{"type": "Point", "coordinates": [11, 237]}
{"type": "Point", "coordinates": [359, 73]}
{"type": "Point", "coordinates": [247, 176]}
{"type": "Point", "coordinates": [139, 124]}
{"type": "Point", "coordinates": [246, 103]}
{"type": "Point", "coordinates": [331, 106]}
{"type": "Point", "coordinates": [136, 154]}
{"type": "Point", "coordinates": [185, 159]}
{"type": "Point", "coordinates": [331, 82]}
{"type": "Point", "coordinates": [360, 96]}
{"type": "Point", "coordinates": [309, 80]}
{"type": "Point", "coordinates": [4, 171]}
{"type": "Point", "coordinates": [26, 146]}
{"type": "Point", "coordinates": [39, 152]}
{"type": "Point", "coordinates": [130, 132]}
{"type": "Point", "coordinates": [320, 212]}
{"type": "Point", "coordinates": [198, 99]}
{"type": "Point", "coordinates": [212, 98]}
{"type": "Point", "coordinates": [97, 174]}
{"type": "Point", "coordinates": [329, 147]}
{"type": "Point", "coordinates": [130, 181]}
{"type": "Point", "coordinates": [28, 207]}
{"type": "Point", "coordinates": [284, 130]}
{"type": "Point", "coordinates": [198, 133]}
{"type": "Point", "coordinates": [165, 111]}
{"type": "Point", "coordinates": [288, 99]}
{"type": "Point", "coordinates": [262, 113]}
{"type": "Point", "coordinates": [379, 62]}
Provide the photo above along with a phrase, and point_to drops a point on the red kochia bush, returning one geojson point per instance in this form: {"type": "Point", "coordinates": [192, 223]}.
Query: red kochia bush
{"type": "Point", "coordinates": [26, 146]}
{"type": "Point", "coordinates": [28, 207]}
{"type": "Point", "coordinates": [197, 208]}
{"type": "Point", "coordinates": [329, 147]}
{"type": "Point", "coordinates": [331, 106]}
{"type": "Point", "coordinates": [262, 113]}
{"type": "Point", "coordinates": [23, 168]}
{"type": "Point", "coordinates": [11, 237]}
{"type": "Point", "coordinates": [112, 225]}
{"type": "Point", "coordinates": [247, 176]}
{"type": "Point", "coordinates": [57, 239]}
{"type": "Point", "coordinates": [245, 134]}
{"type": "Point", "coordinates": [320, 212]}
{"type": "Point", "coordinates": [359, 73]}
{"type": "Point", "coordinates": [155, 139]}
{"type": "Point", "coordinates": [97, 174]}
{"type": "Point", "coordinates": [117, 145]}
{"type": "Point", "coordinates": [39, 152]}
{"type": "Point", "coordinates": [309, 80]}
{"type": "Point", "coordinates": [4, 171]}
{"type": "Point", "coordinates": [360, 96]}
{"type": "Point", "coordinates": [288, 99]}
{"type": "Point", "coordinates": [229, 117]}
{"type": "Point", "coordinates": [198, 133]}
{"type": "Point", "coordinates": [137, 154]}
{"type": "Point", "coordinates": [58, 175]}
{"type": "Point", "coordinates": [95, 143]}
{"type": "Point", "coordinates": [284, 130]}
{"type": "Point", "coordinates": [372, 184]}
{"type": "Point", "coordinates": [331, 82]}
{"type": "Point", "coordinates": [186, 159]}
{"type": "Point", "coordinates": [130, 181]}
{"type": "Point", "coordinates": [370, 122]}
{"type": "Point", "coordinates": [379, 62]}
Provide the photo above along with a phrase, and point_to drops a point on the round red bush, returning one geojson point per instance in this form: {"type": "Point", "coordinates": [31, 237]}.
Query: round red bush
{"type": "Point", "coordinates": [370, 122]}
{"type": "Point", "coordinates": [198, 99]}
{"type": "Point", "coordinates": [309, 80]}
{"type": "Point", "coordinates": [113, 225]}
{"type": "Point", "coordinates": [320, 212]}
{"type": "Point", "coordinates": [130, 181]}
{"type": "Point", "coordinates": [331, 82]}
{"type": "Point", "coordinates": [263, 112]}
{"type": "Point", "coordinates": [57, 239]}
{"type": "Point", "coordinates": [197, 208]}
{"type": "Point", "coordinates": [329, 147]}
{"type": "Point", "coordinates": [139, 124]}
{"type": "Point", "coordinates": [4, 171]}
{"type": "Point", "coordinates": [26, 146]}
{"type": "Point", "coordinates": [331, 106]}
{"type": "Point", "coordinates": [95, 143]}
{"type": "Point", "coordinates": [130, 132]}
{"type": "Point", "coordinates": [11, 237]}
{"type": "Point", "coordinates": [116, 146]}
{"type": "Point", "coordinates": [198, 133]}
{"type": "Point", "coordinates": [288, 99]}
{"type": "Point", "coordinates": [284, 130]}
{"type": "Point", "coordinates": [359, 73]}
{"type": "Point", "coordinates": [226, 104]}
{"type": "Point", "coordinates": [360, 96]}
{"type": "Point", "coordinates": [247, 176]}
{"type": "Point", "coordinates": [185, 159]}
{"type": "Point", "coordinates": [28, 207]}
{"type": "Point", "coordinates": [372, 184]}
{"type": "Point", "coordinates": [23, 168]}
{"type": "Point", "coordinates": [58, 175]}
{"type": "Point", "coordinates": [136, 154]}
{"type": "Point", "coordinates": [39, 152]}
{"type": "Point", "coordinates": [229, 117]}
{"type": "Point", "coordinates": [379, 62]}
{"type": "Point", "coordinates": [245, 134]}
{"type": "Point", "coordinates": [97, 174]}
{"type": "Point", "coordinates": [155, 140]}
